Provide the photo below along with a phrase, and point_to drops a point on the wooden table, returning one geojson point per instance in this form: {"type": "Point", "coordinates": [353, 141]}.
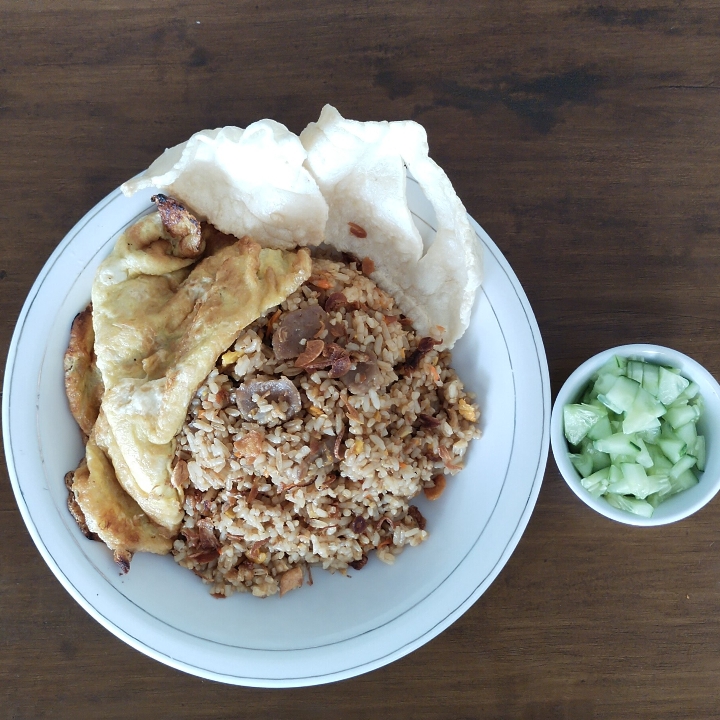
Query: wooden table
{"type": "Point", "coordinates": [583, 136]}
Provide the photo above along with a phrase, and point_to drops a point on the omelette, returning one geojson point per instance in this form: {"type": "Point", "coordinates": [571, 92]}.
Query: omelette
{"type": "Point", "coordinates": [164, 307]}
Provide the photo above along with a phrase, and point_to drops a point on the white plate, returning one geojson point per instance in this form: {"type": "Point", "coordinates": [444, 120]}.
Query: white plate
{"type": "Point", "coordinates": [340, 627]}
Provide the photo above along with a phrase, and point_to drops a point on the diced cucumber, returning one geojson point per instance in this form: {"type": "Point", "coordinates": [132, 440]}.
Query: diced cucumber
{"type": "Point", "coordinates": [603, 384]}
{"type": "Point", "coordinates": [660, 462]}
{"type": "Point", "coordinates": [578, 420]}
{"type": "Point", "coordinates": [690, 392]}
{"type": "Point", "coordinates": [673, 448]}
{"type": "Point", "coordinates": [622, 486]}
{"type": "Point", "coordinates": [663, 494]}
{"type": "Point", "coordinates": [699, 452]}
{"type": "Point", "coordinates": [650, 381]}
{"type": "Point", "coordinates": [618, 444]}
{"type": "Point", "coordinates": [608, 404]}
{"type": "Point", "coordinates": [582, 462]}
{"type": "Point", "coordinates": [637, 483]}
{"type": "Point", "coordinates": [651, 434]}
{"type": "Point", "coordinates": [597, 483]}
{"type": "Point", "coordinates": [637, 507]}
{"type": "Point", "coordinates": [636, 433]}
{"type": "Point", "coordinates": [688, 433]}
{"type": "Point", "coordinates": [592, 457]}
{"type": "Point", "coordinates": [670, 385]}
{"type": "Point", "coordinates": [621, 459]}
{"type": "Point", "coordinates": [684, 481]}
{"type": "Point", "coordinates": [644, 413]}
{"type": "Point", "coordinates": [655, 499]}
{"type": "Point", "coordinates": [634, 370]}
{"type": "Point", "coordinates": [663, 486]}
{"type": "Point", "coordinates": [601, 429]}
{"type": "Point", "coordinates": [600, 460]}
{"type": "Point", "coordinates": [684, 463]}
{"type": "Point", "coordinates": [614, 366]}
{"type": "Point", "coordinates": [698, 403]}
{"type": "Point", "coordinates": [615, 475]}
{"type": "Point", "coordinates": [678, 415]}
{"type": "Point", "coordinates": [643, 458]}
{"type": "Point", "coordinates": [619, 398]}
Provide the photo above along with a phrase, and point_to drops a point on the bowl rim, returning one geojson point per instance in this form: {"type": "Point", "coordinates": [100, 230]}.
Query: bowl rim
{"type": "Point", "coordinates": [569, 392]}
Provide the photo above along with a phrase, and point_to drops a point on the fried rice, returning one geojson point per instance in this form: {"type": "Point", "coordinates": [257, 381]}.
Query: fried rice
{"type": "Point", "coordinates": [271, 493]}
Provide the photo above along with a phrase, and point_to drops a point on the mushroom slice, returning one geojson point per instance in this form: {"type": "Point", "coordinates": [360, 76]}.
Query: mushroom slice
{"type": "Point", "coordinates": [365, 376]}
{"type": "Point", "coordinates": [296, 326]}
{"type": "Point", "coordinates": [277, 390]}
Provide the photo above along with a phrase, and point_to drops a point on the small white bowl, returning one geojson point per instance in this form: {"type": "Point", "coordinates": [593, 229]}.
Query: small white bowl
{"type": "Point", "coordinates": [678, 506]}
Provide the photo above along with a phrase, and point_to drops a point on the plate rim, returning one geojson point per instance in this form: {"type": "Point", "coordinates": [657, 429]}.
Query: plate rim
{"type": "Point", "coordinates": [297, 681]}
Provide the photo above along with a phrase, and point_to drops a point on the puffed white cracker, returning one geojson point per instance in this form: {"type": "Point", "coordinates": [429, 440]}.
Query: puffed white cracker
{"type": "Point", "coordinates": [246, 182]}
{"type": "Point", "coordinates": [360, 168]}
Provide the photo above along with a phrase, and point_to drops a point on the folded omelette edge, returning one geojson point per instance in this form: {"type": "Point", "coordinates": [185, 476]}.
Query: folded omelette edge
{"type": "Point", "coordinates": [160, 323]}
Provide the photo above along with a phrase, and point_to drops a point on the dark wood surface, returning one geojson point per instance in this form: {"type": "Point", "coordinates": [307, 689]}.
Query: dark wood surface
{"type": "Point", "coordinates": [583, 136]}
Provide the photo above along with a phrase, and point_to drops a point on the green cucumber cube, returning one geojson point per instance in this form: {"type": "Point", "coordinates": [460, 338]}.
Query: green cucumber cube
{"type": "Point", "coordinates": [660, 462]}
{"type": "Point", "coordinates": [638, 507]}
{"type": "Point", "coordinates": [687, 433]}
{"type": "Point", "coordinates": [620, 397]}
{"type": "Point", "coordinates": [643, 458]}
{"type": "Point", "coordinates": [583, 463]}
{"type": "Point", "coordinates": [618, 444]}
{"type": "Point", "coordinates": [684, 481]}
{"type": "Point", "coordinates": [644, 413]}
{"type": "Point", "coordinates": [651, 378]}
{"type": "Point", "coordinates": [578, 419]}
{"type": "Point", "coordinates": [597, 483]}
{"type": "Point", "coordinates": [673, 448]}
{"type": "Point", "coordinates": [603, 384]}
{"type": "Point", "coordinates": [690, 392]}
{"type": "Point", "coordinates": [670, 385]}
{"type": "Point", "coordinates": [678, 415]}
{"type": "Point", "coordinates": [650, 435]}
{"type": "Point", "coordinates": [634, 370]}
{"type": "Point", "coordinates": [616, 365]}
{"type": "Point", "coordinates": [601, 429]}
{"type": "Point", "coordinates": [686, 462]}
{"type": "Point", "coordinates": [699, 452]}
{"type": "Point", "coordinates": [637, 483]}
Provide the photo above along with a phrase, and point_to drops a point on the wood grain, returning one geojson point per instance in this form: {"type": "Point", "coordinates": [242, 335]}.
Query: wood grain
{"type": "Point", "coordinates": [583, 136]}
